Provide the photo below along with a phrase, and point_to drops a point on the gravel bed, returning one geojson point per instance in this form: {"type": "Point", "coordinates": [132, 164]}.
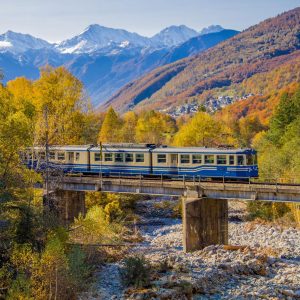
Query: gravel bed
{"type": "Point", "coordinates": [268, 267]}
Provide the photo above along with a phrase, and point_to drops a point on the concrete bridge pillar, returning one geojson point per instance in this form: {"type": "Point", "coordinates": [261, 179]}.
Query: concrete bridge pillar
{"type": "Point", "coordinates": [67, 204]}
{"type": "Point", "coordinates": [205, 222]}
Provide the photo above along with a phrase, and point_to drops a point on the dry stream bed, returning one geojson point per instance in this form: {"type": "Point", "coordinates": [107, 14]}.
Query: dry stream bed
{"type": "Point", "coordinates": [267, 267]}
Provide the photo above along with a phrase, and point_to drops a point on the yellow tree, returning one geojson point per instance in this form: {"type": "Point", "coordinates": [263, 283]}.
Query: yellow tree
{"type": "Point", "coordinates": [201, 130]}
{"type": "Point", "coordinates": [128, 130]}
{"type": "Point", "coordinates": [59, 96]}
{"type": "Point", "coordinates": [111, 127]}
{"type": "Point", "coordinates": [155, 127]}
{"type": "Point", "coordinates": [14, 136]}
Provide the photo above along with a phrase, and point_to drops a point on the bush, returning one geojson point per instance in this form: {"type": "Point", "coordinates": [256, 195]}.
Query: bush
{"type": "Point", "coordinates": [266, 210]}
{"type": "Point", "coordinates": [113, 212]}
{"type": "Point", "coordinates": [117, 206]}
{"type": "Point", "coordinates": [136, 272]}
{"type": "Point", "coordinates": [177, 210]}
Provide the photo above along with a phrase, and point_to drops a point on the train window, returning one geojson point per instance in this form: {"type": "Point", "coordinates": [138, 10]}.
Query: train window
{"type": "Point", "coordinates": [70, 156]}
{"type": "Point", "coordinates": [119, 157]}
{"type": "Point", "coordinates": [77, 155]}
{"type": "Point", "coordinates": [197, 158]}
{"type": "Point", "coordinates": [184, 158]}
{"type": "Point", "coordinates": [221, 159]}
{"type": "Point", "coordinates": [254, 159]}
{"type": "Point", "coordinates": [161, 158]}
{"type": "Point", "coordinates": [139, 157]}
{"type": "Point", "coordinates": [108, 156]}
{"type": "Point", "coordinates": [42, 155]}
{"type": "Point", "coordinates": [97, 156]}
{"type": "Point", "coordinates": [61, 155]}
{"type": "Point", "coordinates": [231, 159]}
{"type": "Point", "coordinates": [209, 159]}
{"type": "Point", "coordinates": [52, 155]}
{"type": "Point", "coordinates": [129, 157]}
{"type": "Point", "coordinates": [250, 159]}
{"type": "Point", "coordinates": [240, 160]}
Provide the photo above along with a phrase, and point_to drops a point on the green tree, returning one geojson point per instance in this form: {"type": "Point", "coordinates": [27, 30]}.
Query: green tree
{"type": "Point", "coordinates": [286, 112]}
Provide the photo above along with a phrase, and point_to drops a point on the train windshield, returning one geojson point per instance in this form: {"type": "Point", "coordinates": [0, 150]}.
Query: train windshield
{"type": "Point", "coordinates": [251, 159]}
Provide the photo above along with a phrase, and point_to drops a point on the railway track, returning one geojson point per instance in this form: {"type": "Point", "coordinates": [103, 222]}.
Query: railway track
{"type": "Point", "coordinates": [184, 179]}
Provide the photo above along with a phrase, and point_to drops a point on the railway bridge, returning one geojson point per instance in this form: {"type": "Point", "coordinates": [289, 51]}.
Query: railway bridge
{"type": "Point", "coordinates": [205, 204]}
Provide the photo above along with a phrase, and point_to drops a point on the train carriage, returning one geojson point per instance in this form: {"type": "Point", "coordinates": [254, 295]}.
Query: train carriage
{"type": "Point", "coordinates": [70, 159]}
{"type": "Point", "coordinates": [126, 160]}
{"type": "Point", "coordinates": [147, 160]}
{"type": "Point", "coordinates": [205, 162]}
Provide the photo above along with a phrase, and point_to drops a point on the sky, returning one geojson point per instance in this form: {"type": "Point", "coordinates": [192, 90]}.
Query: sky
{"type": "Point", "coordinates": [56, 20]}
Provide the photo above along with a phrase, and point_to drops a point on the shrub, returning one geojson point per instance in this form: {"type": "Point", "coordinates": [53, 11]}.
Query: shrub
{"type": "Point", "coordinates": [122, 204]}
{"type": "Point", "coordinates": [177, 210]}
{"type": "Point", "coordinates": [95, 228]}
{"type": "Point", "coordinates": [266, 210]}
{"type": "Point", "coordinates": [113, 212]}
{"type": "Point", "coordinates": [136, 272]}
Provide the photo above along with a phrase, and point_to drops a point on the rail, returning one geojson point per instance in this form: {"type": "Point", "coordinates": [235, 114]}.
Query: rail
{"type": "Point", "coordinates": [194, 187]}
{"type": "Point", "coordinates": [184, 178]}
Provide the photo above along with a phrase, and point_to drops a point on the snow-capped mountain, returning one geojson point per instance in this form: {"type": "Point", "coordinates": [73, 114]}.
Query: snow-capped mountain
{"type": "Point", "coordinates": [96, 37]}
{"type": "Point", "coordinates": [18, 42]}
{"type": "Point", "coordinates": [211, 29]}
{"type": "Point", "coordinates": [104, 59]}
{"type": "Point", "coordinates": [174, 35]}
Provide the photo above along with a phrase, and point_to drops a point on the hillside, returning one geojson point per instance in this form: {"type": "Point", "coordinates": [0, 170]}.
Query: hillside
{"type": "Point", "coordinates": [259, 49]}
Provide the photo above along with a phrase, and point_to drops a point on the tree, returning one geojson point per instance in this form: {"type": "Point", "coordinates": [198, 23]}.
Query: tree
{"type": "Point", "coordinates": [201, 130]}
{"type": "Point", "coordinates": [154, 127]}
{"type": "Point", "coordinates": [248, 127]}
{"type": "Point", "coordinates": [111, 127]}
{"type": "Point", "coordinates": [128, 130]}
{"type": "Point", "coordinates": [286, 112]}
{"type": "Point", "coordinates": [60, 95]}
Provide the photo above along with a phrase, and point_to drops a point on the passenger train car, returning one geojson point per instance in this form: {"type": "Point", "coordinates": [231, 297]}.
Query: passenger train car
{"type": "Point", "coordinates": [148, 159]}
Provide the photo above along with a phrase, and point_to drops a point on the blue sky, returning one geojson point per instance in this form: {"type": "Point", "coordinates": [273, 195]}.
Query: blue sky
{"type": "Point", "coordinates": [56, 20]}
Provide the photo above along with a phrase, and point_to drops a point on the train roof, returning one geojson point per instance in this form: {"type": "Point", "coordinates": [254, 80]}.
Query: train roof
{"type": "Point", "coordinates": [147, 147]}
{"type": "Point", "coordinates": [66, 147]}
{"type": "Point", "coordinates": [121, 149]}
{"type": "Point", "coordinates": [203, 150]}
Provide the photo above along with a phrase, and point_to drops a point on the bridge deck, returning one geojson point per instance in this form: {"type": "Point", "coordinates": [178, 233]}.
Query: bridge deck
{"type": "Point", "coordinates": [230, 191]}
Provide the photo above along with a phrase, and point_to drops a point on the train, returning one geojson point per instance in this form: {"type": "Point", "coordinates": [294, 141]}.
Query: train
{"type": "Point", "coordinates": [147, 160]}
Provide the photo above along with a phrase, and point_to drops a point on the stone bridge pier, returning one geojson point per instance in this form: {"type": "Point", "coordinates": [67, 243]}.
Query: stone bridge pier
{"type": "Point", "coordinates": [205, 221]}
{"type": "Point", "coordinates": [68, 205]}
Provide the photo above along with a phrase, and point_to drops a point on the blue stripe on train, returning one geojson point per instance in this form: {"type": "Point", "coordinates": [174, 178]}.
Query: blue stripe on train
{"type": "Point", "coordinates": [203, 171]}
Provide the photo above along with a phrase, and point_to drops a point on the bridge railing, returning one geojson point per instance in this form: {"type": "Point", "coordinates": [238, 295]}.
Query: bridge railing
{"type": "Point", "coordinates": [195, 179]}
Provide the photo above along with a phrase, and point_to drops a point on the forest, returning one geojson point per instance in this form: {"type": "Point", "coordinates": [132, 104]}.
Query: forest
{"type": "Point", "coordinates": [42, 259]}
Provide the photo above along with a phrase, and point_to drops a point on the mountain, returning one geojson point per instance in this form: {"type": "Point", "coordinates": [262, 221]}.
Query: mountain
{"type": "Point", "coordinates": [211, 29]}
{"type": "Point", "coordinates": [96, 37]}
{"type": "Point", "coordinates": [259, 49]}
{"type": "Point", "coordinates": [18, 42]}
{"type": "Point", "coordinates": [104, 59]}
{"type": "Point", "coordinates": [174, 35]}
{"type": "Point", "coordinates": [199, 44]}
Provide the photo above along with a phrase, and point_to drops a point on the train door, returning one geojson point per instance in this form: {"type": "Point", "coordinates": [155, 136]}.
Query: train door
{"type": "Point", "coordinates": [174, 163]}
{"type": "Point", "coordinates": [71, 160]}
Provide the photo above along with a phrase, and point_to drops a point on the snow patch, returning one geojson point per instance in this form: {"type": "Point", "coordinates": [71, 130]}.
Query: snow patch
{"type": "Point", "coordinates": [75, 48]}
{"type": "Point", "coordinates": [124, 44]}
{"type": "Point", "coordinates": [5, 44]}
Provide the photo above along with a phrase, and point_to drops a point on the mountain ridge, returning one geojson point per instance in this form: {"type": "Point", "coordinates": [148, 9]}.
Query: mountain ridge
{"type": "Point", "coordinates": [258, 49]}
{"type": "Point", "coordinates": [103, 71]}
